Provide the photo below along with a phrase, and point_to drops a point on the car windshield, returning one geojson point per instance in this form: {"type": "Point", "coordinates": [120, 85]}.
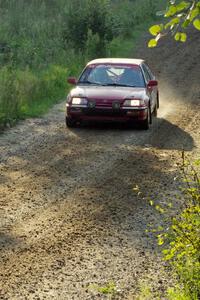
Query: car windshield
{"type": "Point", "coordinates": [113, 75]}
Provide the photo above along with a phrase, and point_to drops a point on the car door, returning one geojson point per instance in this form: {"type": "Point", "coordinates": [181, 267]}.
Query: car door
{"type": "Point", "coordinates": [151, 90]}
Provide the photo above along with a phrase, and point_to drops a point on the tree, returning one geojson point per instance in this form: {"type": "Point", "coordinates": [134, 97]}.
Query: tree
{"type": "Point", "coordinates": [179, 15]}
{"type": "Point", "coordinates": [85, 17]}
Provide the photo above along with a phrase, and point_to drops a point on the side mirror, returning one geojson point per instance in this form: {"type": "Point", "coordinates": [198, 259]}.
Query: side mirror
{"type": "Point", "coordinates": [152, 83]}
{"type": "Point", "coordinates": [72, 80]}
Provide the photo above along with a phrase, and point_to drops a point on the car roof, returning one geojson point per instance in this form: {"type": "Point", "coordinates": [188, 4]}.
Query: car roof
{"type": "Point", "coordinates": [131, 61]}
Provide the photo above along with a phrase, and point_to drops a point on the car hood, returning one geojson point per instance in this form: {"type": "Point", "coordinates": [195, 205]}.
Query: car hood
{"type": "Point", "coordinates": [109, 92]}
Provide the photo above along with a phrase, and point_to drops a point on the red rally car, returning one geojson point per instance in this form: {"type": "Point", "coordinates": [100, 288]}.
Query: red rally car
{"type": "Point", "coordinates": [113, 89]}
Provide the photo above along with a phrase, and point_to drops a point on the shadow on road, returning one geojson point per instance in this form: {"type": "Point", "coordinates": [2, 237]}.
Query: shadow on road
{"type": "Point", "coordinates": [78, 163]}
{"type": "Point", "coordinates": [162, 134]}
{"type": "Point", "coordinates": [8, 241]}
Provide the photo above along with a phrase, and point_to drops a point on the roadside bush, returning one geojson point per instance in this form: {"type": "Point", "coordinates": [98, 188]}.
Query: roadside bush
{"type": "Point", "coordinates": [94, 47]}
{"type": "Point", "coordinates": [129, 14]}
{"type": "Point", "coordinates": [181, 239]}
{"type": "Point", "coordinates": [85, 16]}
{"type": "Point", "coordinates": [25, 93]}
{"type": "Point", "coordinates": [9, 102]}
{"type": "Point", "coordinates": [184, 248]}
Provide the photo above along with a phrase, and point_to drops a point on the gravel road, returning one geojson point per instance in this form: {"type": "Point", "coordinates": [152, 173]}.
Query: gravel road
{"type": "Point", "coordinates": [70, 221]}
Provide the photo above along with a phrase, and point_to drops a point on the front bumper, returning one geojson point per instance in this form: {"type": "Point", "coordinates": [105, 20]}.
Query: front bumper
{"type": "Point", "coordinates": [107, 113]}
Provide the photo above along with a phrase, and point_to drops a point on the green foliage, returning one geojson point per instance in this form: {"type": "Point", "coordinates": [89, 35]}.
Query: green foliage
{"type": "Point", "coordinates": [180, 36]}
{"type": "Point", "coordinates": [196, 24]}
{"type": "Point", "coordinates": [9, 106]}
{"type": "Point", "coordinates": [25, 93]}
{"type": "Point", "coordinates": [156, 29]}
{"type": "Point", "coordinates": [182, 239]}
{"type": "Point", "coordinates": [83, 16]}
{"type": "Point", "coordinates": [109, 289]}
{"type": "Point", "coordinates": [152, 43]}
{"type": "Point", "coordinates": [94, 47]}
{"type": "Point", "coordinates": [145, 293]}
{"type": "Point", "coordinates": [179, 15]}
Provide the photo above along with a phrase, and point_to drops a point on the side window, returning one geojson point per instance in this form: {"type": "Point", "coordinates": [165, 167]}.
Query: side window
{"type": "Point", "coordinates": [150, 73]}
{"type": "Point", "coordinates": [85, 74]}
{"type": "Point", "coordinates": [146, 74]}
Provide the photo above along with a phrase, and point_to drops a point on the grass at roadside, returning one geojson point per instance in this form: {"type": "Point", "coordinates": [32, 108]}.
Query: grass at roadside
{"type": "Point", "coordinates": [28, 94]}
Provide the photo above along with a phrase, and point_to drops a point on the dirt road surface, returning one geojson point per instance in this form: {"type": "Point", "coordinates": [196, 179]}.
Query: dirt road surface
{"type": "Point", "coordinates": [70, 221]}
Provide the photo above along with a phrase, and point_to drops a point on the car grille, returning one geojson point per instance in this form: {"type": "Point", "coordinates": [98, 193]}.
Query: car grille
{"type": "Point", "coordinates": [103, 112]}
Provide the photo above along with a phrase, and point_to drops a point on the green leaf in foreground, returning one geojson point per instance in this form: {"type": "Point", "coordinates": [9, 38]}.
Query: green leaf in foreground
{"type": "Point", "coordinates": [185, 24]}
{"type": "Point", "coordinates": [180, 15]}
{"type": "Point", "coordinates": [183, 5]}
{"type": "Point", "coordinates": [196, 24]}
{"type": "Point", "coordinates": [155, 29]}
{"type": "Point", "coordinates": [171, 11]}
{"type": "Point", "coordinates": [194, 13]}
{"type": "Point", "coordinates": [177, 36]}
{"type": "Point", "coordinates": [181, 37]}
{"type": "Point", "coordinates": [172, 23]}
{"type": "Point", "coordinates": [152, 43]}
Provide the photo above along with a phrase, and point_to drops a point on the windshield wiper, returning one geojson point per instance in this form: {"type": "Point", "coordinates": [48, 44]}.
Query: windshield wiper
{"type": "Point", "coordinates": [119, 84]}
{"type": "Point", "coordinates": [89, 82]}
{"type": "Point", "coordinates": [105, 84]}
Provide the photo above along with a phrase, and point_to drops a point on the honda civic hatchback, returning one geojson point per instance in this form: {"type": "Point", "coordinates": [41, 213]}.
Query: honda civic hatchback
{"type": "Point", "coordinates": [113, 89]}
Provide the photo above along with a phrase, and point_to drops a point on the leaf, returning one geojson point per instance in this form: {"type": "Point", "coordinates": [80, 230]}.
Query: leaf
{"type": "Point", "coordinates": [197, 162]}
{"type": "Point", "coordinates": [155, 29]}
{"type": "Point", "coordinates": [174, 21]}
{"type": "Point", "coordinates": [169, 256]}
{"type": "Point", "coordinates": [185, 23]}
{"type": "Point", "coordinates": [196, 24]}
{"type": "Point", "coordinates": [160, 240]}
{"type": "Point", "coordinates": [165, 251]}
{"type": "Point", "coordinates": [183, 5]}
{"type": "Point", "coordinates": [171, 11]}
{"type": "Point", "coordinates": [110, 288]}
{"type": "Point", "coordinates": [160, 228]}
{"type": "Point", "coordinates": [152, 43]}
{"type": "Point", "coordinates": [177, 36]}
{"type": "Point", "coordinates": [194, 13]}
{"type": "Point", "coordinates": [160, 209]}
{"type": "Point", "coordinates": [151, 202]}
{"type": "Point", "coordinates": [183, 37]}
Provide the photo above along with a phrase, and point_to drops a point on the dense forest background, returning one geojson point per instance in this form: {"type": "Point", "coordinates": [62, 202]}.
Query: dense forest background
{"type": "Point", "coordinates": [44, 41]}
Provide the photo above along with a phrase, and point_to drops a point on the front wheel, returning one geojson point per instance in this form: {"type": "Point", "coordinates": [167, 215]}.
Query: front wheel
{"type": "Point", "coordinates": [70, 122]}
{"type": "Point", "coordinates": [147, 121]}
{"type": "Point", "coordinates": [155, 111]}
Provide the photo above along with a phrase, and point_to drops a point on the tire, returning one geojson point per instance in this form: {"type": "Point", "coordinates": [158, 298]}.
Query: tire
{"type": "Point", "coordinates": [158, 101]}
{"type": "Point", "coordinates": [147, 121]}
{"type": "Point", "coordinates": [70, 123]}
{"type": "Point", "coordinates": [155, 112]}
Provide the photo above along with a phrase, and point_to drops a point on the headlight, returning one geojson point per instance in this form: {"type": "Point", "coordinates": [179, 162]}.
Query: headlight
{"type": "Point", "coordinates": [79, 101]}
{"type": "Point", "coordinates": [133, 102]}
